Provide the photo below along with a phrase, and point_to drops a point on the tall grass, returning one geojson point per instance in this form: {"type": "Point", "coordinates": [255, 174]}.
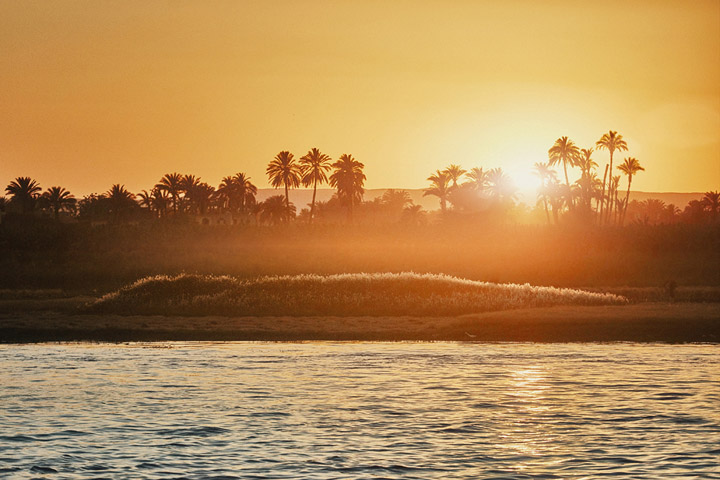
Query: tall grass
{"type": "Point", "coordinates": [374, 294]}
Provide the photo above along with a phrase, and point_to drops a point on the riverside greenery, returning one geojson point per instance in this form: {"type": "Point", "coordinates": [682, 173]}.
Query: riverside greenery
{"type": "Point", "coordinates": [361, 294]}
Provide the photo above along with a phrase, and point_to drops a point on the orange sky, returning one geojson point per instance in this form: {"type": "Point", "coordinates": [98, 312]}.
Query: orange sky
{"type": "Point", "coordinates": [99, 92]}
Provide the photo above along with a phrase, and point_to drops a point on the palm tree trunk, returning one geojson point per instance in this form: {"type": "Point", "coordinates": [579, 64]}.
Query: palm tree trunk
{"type": "Point", "coordinates": [627, 201]}
{"type": "Point", "coordinates": [287, 197]}
{"type": "Point", "coordinates": [567, 182]}
{"type": "Point", "coordinates": [609, 203]}
{"type": "Point", "coordinates": [602, 197]}
{"type": "Point", "coordinates": [586, 191]}
{"type": "Point", "coordinates": [615, 214]}
{"type": "Point", "coordinates": [547, 213]}
{"type": "Point", "coordinates": [312, 205]}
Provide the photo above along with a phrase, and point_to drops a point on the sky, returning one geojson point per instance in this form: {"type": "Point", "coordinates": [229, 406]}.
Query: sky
{"type": "Point", "coordinates": [99, 92]}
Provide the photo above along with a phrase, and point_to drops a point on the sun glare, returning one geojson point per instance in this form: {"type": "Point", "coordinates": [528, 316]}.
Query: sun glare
{"type": "Point", "coordinates": [526, 182]}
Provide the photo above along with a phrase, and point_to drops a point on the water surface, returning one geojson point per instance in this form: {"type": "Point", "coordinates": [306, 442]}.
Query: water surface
{"type": "Point", "coordinates": [359, 410]}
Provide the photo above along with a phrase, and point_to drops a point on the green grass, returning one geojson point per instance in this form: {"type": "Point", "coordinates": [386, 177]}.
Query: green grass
{"type": "Point", "coordinates": [361, 294]}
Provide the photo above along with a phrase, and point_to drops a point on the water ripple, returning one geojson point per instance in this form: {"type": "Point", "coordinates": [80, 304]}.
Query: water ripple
{"type": "Point", "coordinates": [359, 410]}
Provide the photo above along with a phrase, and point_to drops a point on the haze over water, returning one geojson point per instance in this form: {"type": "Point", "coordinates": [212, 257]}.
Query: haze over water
{"type": "Point", "coordinates": [359, 410]}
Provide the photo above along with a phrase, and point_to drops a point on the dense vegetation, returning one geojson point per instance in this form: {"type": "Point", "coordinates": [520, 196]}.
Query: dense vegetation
{"type": "Point", "coordinates": [479, 192]}
{"type": "Point", "coordinates": [49, 255]}
{"type": "Point", "coordinates": [593, 235]}
{"type": "Point", "coordinates": [346, 294]}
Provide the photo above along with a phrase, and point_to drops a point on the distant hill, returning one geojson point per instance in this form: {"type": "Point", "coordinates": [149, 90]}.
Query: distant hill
{"type": "Point", "coordinates": [679, 199]}
{"type": "Point", "coordinates": [302, 197]}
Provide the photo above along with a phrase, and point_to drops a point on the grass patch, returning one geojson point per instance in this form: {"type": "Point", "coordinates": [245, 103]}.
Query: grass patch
{"type": "Point", "coordinates": [695, 294]}
{"type": "Point", "coordinates": [376, 294]}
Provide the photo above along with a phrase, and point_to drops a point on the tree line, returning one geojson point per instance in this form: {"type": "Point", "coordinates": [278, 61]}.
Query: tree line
{"type": "Point", "coordinates": [178, 194]}
{"type": "Point", "coordinates": [476, 191]}
{"type": "Point", "coordinates": [586, 199]}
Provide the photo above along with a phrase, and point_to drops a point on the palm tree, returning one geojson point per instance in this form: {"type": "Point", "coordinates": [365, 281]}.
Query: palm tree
{"type": "Point", "coordinates": [237, 192]}
{"type": "Point", "coordinates": [711, 202]}
{"type": "Point", "coordinates": [314, 166]}
{"type": "Point", "coordinates": [59, 199]}
{"type": "Point", "coordinates": [620, 207]}
{"type": "Point", "coordinates": [283, 170]}
{"type": "Point", "coordinates": [393, 202]}
{"type": "Point", "coordinates": [586, 164]}
{"type": "Point", "coordinates": [500, 185]}
{"type": "Point", "coordinates": [202, 197]}
{"type": "Point", "coordinates": [189, 186]}
{"type": "Point", "coordinates": [565, 151]}
{"type": "Point", "coordinates": [160, 200]}
{"type": "Point", "coordinates": [585, 161]}
{"type": "Point", "coordinates": [610, 141]}
{"type": "Point", "coordinates": [120, 200]}
{"type": "Point", "coordinates": [548, 177]}
{"type": "Point", "coordinates": [557, 193]}
{"type": "Point", "coordinates": [478, 179]}
{"type": "Point", "coordinates": [119, 194]}
{"type": "Point", "coordinates": [653, 211]}
{"type": "Point", "coordinates": [599, 204]}
{"type": "Point", "coordinates": [695, 212]}
{"type": "Point", "coordinates": [413, 215]}
{"type": "Point", "coordinates": [275, 210]}
{"type": "Point", "coordinates": [349, 179]}
{"type": "Point", "coordinates": [671, 211]}
{"type": "Point", "coordinates": [396, 200]}
{"type": "Point", "coordinates": [227, 190]}
{"type": "Point", "coordinates": [145, 200]}
{"type": "Point", "coordinates": [629, 167]}
{"type": "Point", "coordinates": [256, 209]}
{"type": "Point", "coordinates": [613, 185]}
{"type": "Point", "coordinates": [245, 189]}
{"type": "Point", "coordinates": [439, 187]}
{"type": "Point", "coordinates": [24, 191]}
{"type": "Point", "coordinates": [593, 185]}
{"type": "Point", "coordinates": [172, 183]}
{"type": "Point", "coordinates": [454, 173]}
{"type": "Point", "coordinates": [155, 201]}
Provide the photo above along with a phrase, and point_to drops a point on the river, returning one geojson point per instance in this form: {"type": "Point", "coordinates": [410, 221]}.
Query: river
{"type": "Point", "coordinates": [359, 410]}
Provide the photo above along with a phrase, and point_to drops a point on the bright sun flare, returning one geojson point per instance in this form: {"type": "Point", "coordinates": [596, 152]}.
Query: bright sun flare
{"type": "Point", "coordinates": [526, 183]}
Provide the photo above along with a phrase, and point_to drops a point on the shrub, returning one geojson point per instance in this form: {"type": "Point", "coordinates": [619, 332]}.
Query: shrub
{"type": "Point", "coordinates": [375, 294]}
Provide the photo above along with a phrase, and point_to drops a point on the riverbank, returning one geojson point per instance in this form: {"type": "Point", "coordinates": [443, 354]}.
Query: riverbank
{"type": "Point", "coordinates": [641, 322]}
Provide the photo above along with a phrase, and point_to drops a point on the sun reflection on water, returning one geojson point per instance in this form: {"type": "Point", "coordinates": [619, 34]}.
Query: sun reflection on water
{"type": "Point", "coordinates": [525, 437]}
{"type": "Point", "coordinates": [332, 410]}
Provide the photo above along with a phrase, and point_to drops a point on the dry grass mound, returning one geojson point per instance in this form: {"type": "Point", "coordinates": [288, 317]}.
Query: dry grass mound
{"type": "Point", "coordinates": [376, 294]}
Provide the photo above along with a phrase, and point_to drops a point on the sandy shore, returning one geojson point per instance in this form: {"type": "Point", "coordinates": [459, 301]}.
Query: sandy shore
{"type": "Point", "coordinates": [642, 322]}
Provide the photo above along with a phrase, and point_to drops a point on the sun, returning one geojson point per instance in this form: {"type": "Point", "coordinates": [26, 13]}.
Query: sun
{"type": "Point", "coordinates": [526, 182]}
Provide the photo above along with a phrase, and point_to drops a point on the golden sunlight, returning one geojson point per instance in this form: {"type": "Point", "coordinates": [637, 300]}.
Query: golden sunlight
{"type": "Point", "coordinates": [527, 184]}
{"type": "Point", "coordinates": [359, 239]}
